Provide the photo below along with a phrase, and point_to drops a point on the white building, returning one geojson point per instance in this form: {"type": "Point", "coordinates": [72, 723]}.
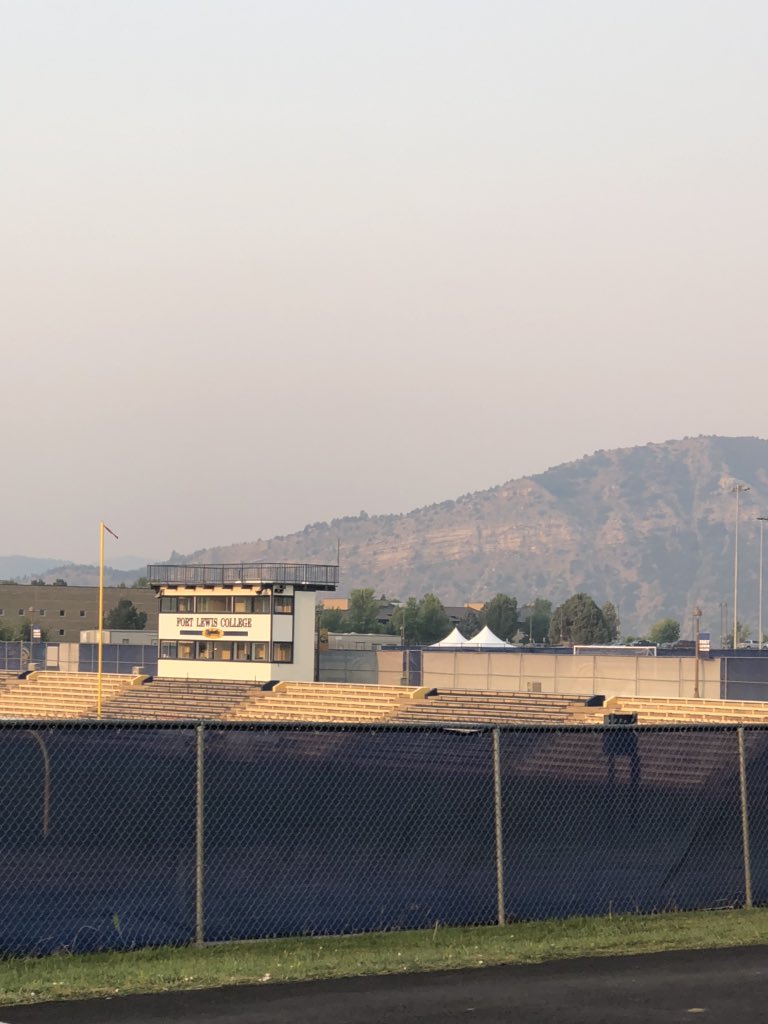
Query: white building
{"type": "Point", "coordinates": [251, 622]}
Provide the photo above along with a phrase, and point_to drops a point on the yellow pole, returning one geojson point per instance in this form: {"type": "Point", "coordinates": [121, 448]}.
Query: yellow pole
{"type": "Point", "coordinates": [101, 616]}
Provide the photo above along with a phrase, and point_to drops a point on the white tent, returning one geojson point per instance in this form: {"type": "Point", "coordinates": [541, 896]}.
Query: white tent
{"type": "Point", "coordinates": [485, 638]}
{"type": "Point", "coordinates": [454, 639]}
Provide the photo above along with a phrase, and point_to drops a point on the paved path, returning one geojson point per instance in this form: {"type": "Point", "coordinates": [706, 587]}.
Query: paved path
{"type": "Point", "coordinates": [709, 986]}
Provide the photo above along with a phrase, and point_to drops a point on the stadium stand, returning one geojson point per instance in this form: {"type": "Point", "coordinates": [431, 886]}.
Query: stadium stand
{"type": "Point", "coordinates": [180, 700]}
{"type": "Point", "coordinates": [671, 710]}
{"type": "Point", "coordinates": [59, 694]}
{"type": "Point", "coordinates": [493, 707]}
{"type": "Point", "coordinates": [214, 699]}
{"type": "Point", "coordinates": [328, 702]}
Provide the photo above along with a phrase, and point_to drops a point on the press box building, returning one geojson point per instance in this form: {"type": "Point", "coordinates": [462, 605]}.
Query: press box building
{"type": "Point", "coordinates": [251, 622]}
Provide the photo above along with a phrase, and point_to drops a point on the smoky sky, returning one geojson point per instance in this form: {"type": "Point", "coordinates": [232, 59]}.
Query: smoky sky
{"type": "Point", "coordinates": [266, 264]}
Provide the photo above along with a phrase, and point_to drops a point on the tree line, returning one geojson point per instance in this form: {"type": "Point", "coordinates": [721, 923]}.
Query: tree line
{"type": "Point", "coordinates": [579, 620]}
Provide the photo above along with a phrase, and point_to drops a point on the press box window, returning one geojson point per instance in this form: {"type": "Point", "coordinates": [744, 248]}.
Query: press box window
{"type": "Point", "coordinates": [168, 649]}
{"type": "Point", "coordinates": [169, 604]}
{"type": "Point", "coordinates": [242, 605]}
{"type": "Point", "coordinates": [260, 651]}
{"type": "Point", "coordinates": [186, 650]}
{"type": "Point", "coordinates": [284, 606]}
{"type": "Point", "coordinates": [222, 652]}
{"type": "Point", "coordinates": [185, 604]}
{"type": "Point", "coordinates": [261, 604]}
{"type": "Point", "coordinates": [282, 651]}
{"type": "Point", "coordinates": [212, 603]}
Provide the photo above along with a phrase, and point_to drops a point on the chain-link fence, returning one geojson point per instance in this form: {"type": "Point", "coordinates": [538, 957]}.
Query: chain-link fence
{"type": "Point", "coordinates": [19, 656]}
{"type": "Point", "coordinates": [117, 835]}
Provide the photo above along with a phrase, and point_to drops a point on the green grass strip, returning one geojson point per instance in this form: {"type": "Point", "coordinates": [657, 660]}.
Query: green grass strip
{"type": "Point", "coordinates": [65, 976]}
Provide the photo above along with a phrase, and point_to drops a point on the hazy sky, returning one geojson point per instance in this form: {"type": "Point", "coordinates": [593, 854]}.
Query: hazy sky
{"type": "Point", "coordinates": [265, 264]}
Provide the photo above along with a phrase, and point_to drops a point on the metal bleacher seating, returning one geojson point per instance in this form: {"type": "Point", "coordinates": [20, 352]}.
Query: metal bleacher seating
{"type": "Point", "coordinates": [494, 707]}
{"type": "Point", "coordinates": [671, 710]}
{"type": "Point", "coordinates": [59, 694]}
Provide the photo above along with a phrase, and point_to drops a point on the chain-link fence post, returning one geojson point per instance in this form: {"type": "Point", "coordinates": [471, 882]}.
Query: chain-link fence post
{"type": "Point", "coordinates": [500, 905]}
{"type": "Point", "coordinates": [744, 820]}
{"type": "Point", "coordinates": [199, 833]}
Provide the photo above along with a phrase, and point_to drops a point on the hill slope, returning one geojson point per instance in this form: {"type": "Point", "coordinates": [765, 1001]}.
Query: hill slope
{"type": "Point", "coordinates": [650, 528]}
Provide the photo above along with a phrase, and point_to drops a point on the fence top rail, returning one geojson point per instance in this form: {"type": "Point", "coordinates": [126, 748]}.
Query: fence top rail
{"type": "Point", "coordinates": [378, 726]}
{"type": "Point", "coordinates": [300, 574]}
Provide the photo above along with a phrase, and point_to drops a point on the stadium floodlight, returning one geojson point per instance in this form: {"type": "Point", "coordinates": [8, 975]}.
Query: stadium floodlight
{"type": "Point", "coordinates": [761, 520]}
{"type": "Point", "coordinates": [737, 489]}
{"type": "Point", "coordinates": [102, 528]}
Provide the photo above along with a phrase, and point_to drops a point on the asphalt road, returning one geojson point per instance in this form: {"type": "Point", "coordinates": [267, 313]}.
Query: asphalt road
{"type": "Point", "coordinates": [708, 986]}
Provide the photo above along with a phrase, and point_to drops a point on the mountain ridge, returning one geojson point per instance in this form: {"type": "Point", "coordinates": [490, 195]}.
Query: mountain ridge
{"type": "Point", "coordinates": [649, 527]}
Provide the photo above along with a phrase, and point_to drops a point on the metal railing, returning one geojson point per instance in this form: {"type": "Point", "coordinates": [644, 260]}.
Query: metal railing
{"type": "Point", "coordinates": [313, 577]}
{"type": "Point", "coordinates": [119, 835]}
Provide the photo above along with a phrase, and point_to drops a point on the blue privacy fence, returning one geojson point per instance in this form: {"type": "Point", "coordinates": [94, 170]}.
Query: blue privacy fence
{"type": "Point", "coordinates": [118, 835]}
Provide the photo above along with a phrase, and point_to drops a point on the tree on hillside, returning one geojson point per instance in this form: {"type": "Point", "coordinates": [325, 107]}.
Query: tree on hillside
{"type": "Point", "coordinates": [362, 612]}
{"type": "Point", "coordinates": [742, 635]}
{"type": "Point", "coordinates": [432, 620]}
{"type": "Point", "coordinates": [470, 625]}
{"type": "Point", "coordinates": [665, 631]}
{"type": "Point", "coordinates": [500, 616]}
{"type": "Point", "coordinates": [142, 583]}
{"type": "Point", "coordinates": [579, 621]}
{"type": "Point", "coordinates": [24, 632]}
{"type": "Point", "coordinates": [125, 615]}
{"type": "Point", "coordinates": [405, 621]}
{"type": "Point", "coordinates": [612, 621]}
{"type": "Point", "coordinates": [535, 618]}
{"type": "Point", "coordinates": [333, 620]}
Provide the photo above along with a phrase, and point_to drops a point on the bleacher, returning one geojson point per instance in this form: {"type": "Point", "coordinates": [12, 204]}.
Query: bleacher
{"type": "Point", "coordinates": [497, 707]}
{"type": "Point", "coordinates": [60, 694]}
{"type": "Point", "coordinates": [671, 710]}
{"type": "Point", "coordinates": [328, 702]}
{"type": "Point", "coordinates": [180, 699]}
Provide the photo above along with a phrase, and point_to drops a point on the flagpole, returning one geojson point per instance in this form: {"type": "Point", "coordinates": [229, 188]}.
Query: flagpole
{"type": "Point", "coordinates": [102, 528]}
{"type": "Point", "coordinates": [101, 617]}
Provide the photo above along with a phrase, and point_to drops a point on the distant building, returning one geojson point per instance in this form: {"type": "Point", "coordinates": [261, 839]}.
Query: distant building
{"type": "Point", "coordinates": [63, 612]}
{"type": "Point", "coordinates": [360, 641]}
{"type": "Point", "coordinates": [131, 637]}
{"type": "Point", "coordinates": [254, 622]}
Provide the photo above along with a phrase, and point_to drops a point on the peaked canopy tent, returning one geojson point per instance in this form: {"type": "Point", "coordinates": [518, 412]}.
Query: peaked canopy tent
{"type": "Point", "coordinates": [486, 638]}
{"type": "Point", "coordinates": [454, 639]}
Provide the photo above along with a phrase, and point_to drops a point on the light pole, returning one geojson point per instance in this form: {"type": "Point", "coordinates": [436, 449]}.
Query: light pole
{"type": "Point", "coordinates": [696, 624]}
{"type": "Point", "coordinates": [737, 489]}
{"type": "Point", "coordinates": [761, 520]}
{"type": "Point", "coordinates": [723, 606]}
{"type": "Point", "coordinates": [102, 528]}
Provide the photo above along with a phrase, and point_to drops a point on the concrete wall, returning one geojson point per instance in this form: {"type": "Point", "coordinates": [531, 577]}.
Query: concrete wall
{"type": "Point", "coordinates": [558, 673]}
